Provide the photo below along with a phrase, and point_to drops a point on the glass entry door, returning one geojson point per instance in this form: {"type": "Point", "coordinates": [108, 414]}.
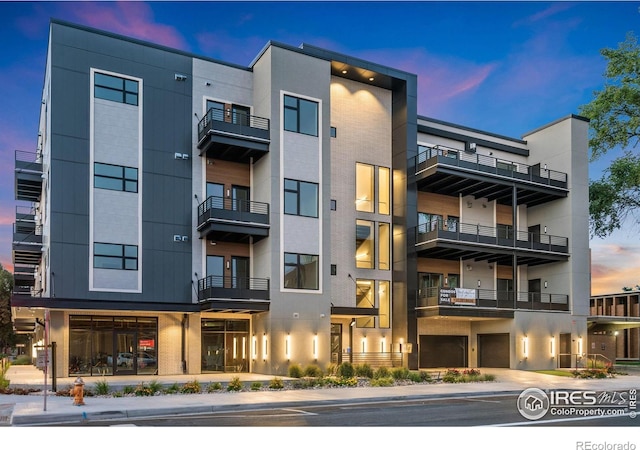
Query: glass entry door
{"type": "Point", "coordinates": [125, 345]}
{"type": "Point", "coordinates": [336, 343]}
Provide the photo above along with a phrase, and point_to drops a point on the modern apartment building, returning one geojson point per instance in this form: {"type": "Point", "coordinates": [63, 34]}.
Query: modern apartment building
{"type": "Point", "coordinates": [186, 215]}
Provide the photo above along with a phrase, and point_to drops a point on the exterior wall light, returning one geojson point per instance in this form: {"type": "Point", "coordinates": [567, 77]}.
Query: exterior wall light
{"type": "Point", "coordinates": [244, 348]}
{"type": "Point", "coordinates": [364, 344]}
{"type": "Point", "coordinates": [383, 344]}
{"type": "Point", "coordinates": [552, 347]}
{"type": "Point", "coordinates": [580, 346]}
{"type": "Point", "coordinates": [254, 347]}
{"type": "Point", "coordinates": [314, 349]}
{"type": "Point", "coordinates": [525, 347]}
{"type": "Point", "coordinates": [264, 347]}
{"type": "Point", "coordinates": [287, 347]}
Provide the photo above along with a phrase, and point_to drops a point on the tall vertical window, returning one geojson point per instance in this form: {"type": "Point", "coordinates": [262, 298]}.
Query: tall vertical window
{"type": "Point", "coordinates": [384, 190]}
{"type": "Point", "coordinates": [301, 271]}
{"type": "Point", "coordinates": [384, 300]}
{"type": "Point", "coordinates": [365, 298]}
{"type": "Point", "coordinates": [300, 198]}
{"type": "Point", "coordinates": [116, 89]}
{"type": "Point", "coordinates": [364, 187]}
{"type": "Point", "coordinates": [300, 115]}
{"type": "Point", "coordinates": [384, 246]}
{"type": "Point", "coordinates": [364, 244]}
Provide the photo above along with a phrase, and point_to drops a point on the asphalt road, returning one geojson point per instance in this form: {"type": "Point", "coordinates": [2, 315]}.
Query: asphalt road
{"type": "Point", "coordinates": [487, 410]}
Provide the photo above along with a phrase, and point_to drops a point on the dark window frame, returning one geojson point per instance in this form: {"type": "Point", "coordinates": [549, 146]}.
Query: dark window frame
{"type": "Point", "coordinates": [299, 200]}
{"type": "Point", "coordinates": [107, 84]}
{"type": "Point", "coordinates": [300, 279]}
{"type": "Point", "coordinates": [120, 256]}
{"type": "Point", "coordinates": [123, 178]}
{"type": "Point", "coordinates": [299, 115]}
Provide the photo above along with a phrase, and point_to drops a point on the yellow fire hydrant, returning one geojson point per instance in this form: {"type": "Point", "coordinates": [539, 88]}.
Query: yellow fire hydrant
{"type": "Point", "coordinates": [78, 392]}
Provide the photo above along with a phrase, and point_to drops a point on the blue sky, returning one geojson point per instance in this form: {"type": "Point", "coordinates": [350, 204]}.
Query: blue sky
{"type": "Point", "coordinates": [503, 67]}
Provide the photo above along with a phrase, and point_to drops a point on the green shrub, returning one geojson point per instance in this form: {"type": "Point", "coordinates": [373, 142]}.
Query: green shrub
{"type": "Point", "coordinates": [295, 371]}
{"type": "Point", "coordinates": [117, 394]}
{"type": "Point", "coordinates": [312, 370]}
{"type": "Point", "coordinates": [143, 391]}
{"type": "Point", "coordinates": [192, 387]}
{"type": "Point", "coordinates": [155, 386]}
{"type": "Point", "coordinates": [234, 385]}
{"type": "Point", "coordinates": [128, 390]}
{"type": "Point", "coordinates": [102, 387]}
{"type": "Point", "coordinates": [256, 386]}
{"type": "Point", "coordinates": [173, 389]}
{"type": "Point", "coordinates": [345, 370]}
{"type": "Point", "coordinates": [425, 377]}
{"type": "Point", "coordinates": [276, 383]}
{"type": "Point", "coordinates": [382, 372]}
{"type": "Point", "coordinates": [331, 370]}
{"type": "Point", "coordinates": [415, 377]}
{"type": "Point", "coordinates": [364, 370]}
{"type": "Point", "coordinates": [400, 373]}
{"type": "Point", "coordinates": [213, 387]}
{"type": "Point", "coordinates": [342, 381]}
{"type": "Point", "coordinates": [488, 377]}
{"type": "Point", "coordinates": [382, 382]}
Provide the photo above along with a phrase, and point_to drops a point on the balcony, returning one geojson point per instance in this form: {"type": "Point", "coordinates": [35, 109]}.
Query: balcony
{"type": "Point", "coordinates": [24, 279]}
{"type": "Point", "coordinates": [233, 136]}
{"type": "Point", "coordinates": [230, 220]}
{"type": "Point", "coordinates": [27, 243]}
{"type": "Point", "coordinates": [485, 302]}
{"type": "Point", "coordinates": [453, 172]}
{"type": "Point", "coordinates": [455, 240]}
{"type": "Point", "coordinates": [28, 176]}
{"type": "Point", "coordinates": [233, 294]}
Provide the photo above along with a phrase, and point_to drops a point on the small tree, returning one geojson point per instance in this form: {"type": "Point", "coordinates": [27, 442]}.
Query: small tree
{"type": "Point", "coordinates": [7, 335]}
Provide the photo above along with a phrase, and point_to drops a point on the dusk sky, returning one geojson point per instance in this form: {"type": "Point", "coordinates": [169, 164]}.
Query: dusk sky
{"type": "Point", "coordinates": [503, 67]}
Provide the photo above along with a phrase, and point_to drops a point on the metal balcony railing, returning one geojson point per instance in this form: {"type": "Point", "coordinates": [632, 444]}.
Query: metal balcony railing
{"type": "Point", "coordinates": [229, 116]}
{"type": "Point", "coordinates": [241, 210]}
{"type": "Point", "coordinates": [502, 236]}
{"type": "Point", "coordinates": [487, 298]}
{"type": "Point", "coordinates": [214, 286]}
{"type": "Point", "coordinates": [489, 164]}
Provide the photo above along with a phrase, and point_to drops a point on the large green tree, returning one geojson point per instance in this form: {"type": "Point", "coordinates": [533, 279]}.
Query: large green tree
{"type": "Point", "coordinates": [7, 335]}
{"type": "Point", "coordinates": [614, 114]}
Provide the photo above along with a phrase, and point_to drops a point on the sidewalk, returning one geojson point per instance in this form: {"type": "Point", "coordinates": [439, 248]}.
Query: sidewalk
{"type": "Point", "coordinates": [38, 409]}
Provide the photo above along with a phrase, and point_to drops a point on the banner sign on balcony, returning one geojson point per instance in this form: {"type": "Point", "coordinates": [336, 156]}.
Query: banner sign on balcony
{"type": "Point", "coordinates": [446, 295]}
{"type": "Point", "coordinates": [464, 297]}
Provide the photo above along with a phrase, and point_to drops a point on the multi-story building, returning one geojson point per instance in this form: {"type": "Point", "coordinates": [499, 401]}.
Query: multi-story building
{"type": "Point", "coordinates": [182, 214]}
{"type": "Point", "coordinates": [614, 327]}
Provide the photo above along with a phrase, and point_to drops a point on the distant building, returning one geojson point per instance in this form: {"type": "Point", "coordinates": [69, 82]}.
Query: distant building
{"type": "Point", "coordinates": [614, 326]}
{"type": "Point", "coordinates": [186, 215]}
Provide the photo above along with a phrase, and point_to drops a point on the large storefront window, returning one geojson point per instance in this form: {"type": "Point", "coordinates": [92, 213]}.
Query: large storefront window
{"type": "Point", "coordinates": [105, 345]}
{"type": "Point", "coordinates": [225, 345]}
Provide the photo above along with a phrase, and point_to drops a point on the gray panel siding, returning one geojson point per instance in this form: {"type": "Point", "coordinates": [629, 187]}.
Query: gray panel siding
{"type": "Point", "coordinates": [167, 127]}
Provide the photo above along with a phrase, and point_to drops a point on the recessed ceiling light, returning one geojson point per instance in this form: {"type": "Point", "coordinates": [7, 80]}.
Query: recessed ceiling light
{"type": "Point", "coordinates": [344, 71]}
{"type": "Point", "coordinates": [371, 78]}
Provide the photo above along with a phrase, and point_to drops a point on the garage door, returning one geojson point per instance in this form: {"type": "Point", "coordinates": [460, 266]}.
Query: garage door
{"type": "Point", "coordinates": [443, 351]}
{"type": "Point", "coordinates": [493, 350]}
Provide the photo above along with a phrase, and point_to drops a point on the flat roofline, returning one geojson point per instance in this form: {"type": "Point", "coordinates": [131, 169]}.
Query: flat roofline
{"type": "Point", "coordinates": [568, 116]}
{"type": "Point", "coordinates": [146, 43]}
{"type": "Point", "coordinates": [330, 55]}
{"type": "Point", "coordinates": [616, 294]}
{"type": "Point", "coordinates": [474, 130]}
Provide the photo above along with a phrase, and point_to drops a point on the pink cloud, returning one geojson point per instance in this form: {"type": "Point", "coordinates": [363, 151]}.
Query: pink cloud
{"type": "Point", "coordinates": [615, 264]}
{"type": "Point", "coordinates": [134, 19]}
{"type": "Point", "coordinates": [552, 10]}
{"type": "Point", "coordinates": [441, 80]}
